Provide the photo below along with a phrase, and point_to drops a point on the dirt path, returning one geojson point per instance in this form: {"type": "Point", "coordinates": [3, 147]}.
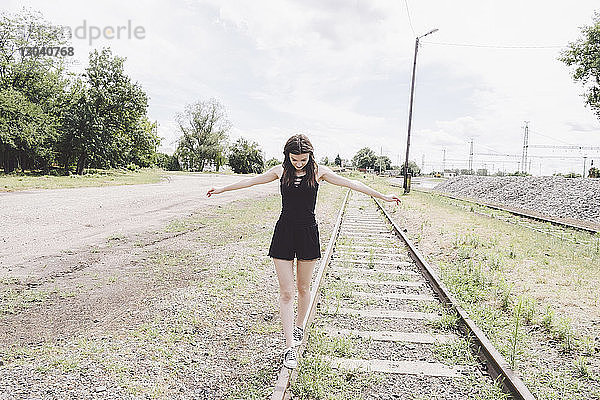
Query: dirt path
{"type": "Point", "coordinates": [37, 224]}
{"type": "Point", "coordinates": [63, 250]}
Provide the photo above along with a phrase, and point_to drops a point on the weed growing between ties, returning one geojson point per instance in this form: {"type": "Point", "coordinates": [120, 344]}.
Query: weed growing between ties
{"type": "Point", "coordinates": [317, 379]}
{"type": "Point", "coordinates": [455, 352]}
{"type": "Point", "coordinates": [448, 321]}
{"type": "Point", "coordinates": [333, 295]}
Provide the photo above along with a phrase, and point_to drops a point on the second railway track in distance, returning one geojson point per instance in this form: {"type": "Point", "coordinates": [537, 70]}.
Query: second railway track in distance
{"type": "Point", "coordinates": [382, 312]}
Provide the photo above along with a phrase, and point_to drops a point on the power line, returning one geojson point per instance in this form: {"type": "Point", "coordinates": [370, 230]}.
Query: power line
{"type": "Point", "coordinates": [497, 155]}
{"type": "Point", "coordinates": [488, 147]}
{"type": "Point", "coordinates": [409, 20]}
{"type": "Point", "coordinates": [568, 147]}
{"type": "Point", "coordinates": [491, 46]}
{"type": "Point", "coordinates": [549, 137]}
{"type": "Point", "coordinates": [531, 156]}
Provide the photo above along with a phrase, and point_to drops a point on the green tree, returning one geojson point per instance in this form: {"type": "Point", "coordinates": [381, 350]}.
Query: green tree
{"type": "Point", "coordinates": [272, 162]}
{"type": "Point", "coordinates": [161, 160]}
{"type": "Point", "coordinates": [28, 29]}
{"type": "Point", "coordinates": [584, 56]}
{"type": "Point", "coordinates": [116, 111]}
{"type": "Point", "coordinates": [204, 126]}
{"type": "Point", "coordinates": [31, 92]}
{"type": "Point", "coordinates": [337, 161]}
{"type": "Point", "coordinates": [97, 119]}
{"type": "Point", "coordinates": [364, 158]}
{"type": "Point", "coordinates": [173, 163]}
{"type": "Point", "coordinates": [383, 162]}
{"type": "Point", "coordinates": [105, 124]}
{"type": "Point", "coordinates": [220, 158]}
{"type": "Point", "coordinates": [167, 162]}
{"type": "Point", "coordinates": [324, 160]}
{"type": "Point", "coordinates": [141, 143]}
{"type": "Point", "coordinates": [246, 157]}
{"type": "Point", "coordinates": [413, 168]}
{"type": "Point", "coordinates": [25, 131]}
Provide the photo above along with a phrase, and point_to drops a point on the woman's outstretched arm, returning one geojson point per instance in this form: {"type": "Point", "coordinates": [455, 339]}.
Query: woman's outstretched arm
{"type": "Point", "coordinates": [353, 184]}
{"type": "Point", "coordinates": [265, 177]}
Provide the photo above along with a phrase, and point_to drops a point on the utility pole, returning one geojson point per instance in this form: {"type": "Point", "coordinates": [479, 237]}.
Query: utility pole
{"type": "Point", "coordinates": [525, 145]}
{"type": "Point", "coordinates": [584, 162]}
{"type": "Point", "coordinates": [412, 92]}
{"type": "Point", "coordinates": [444, 162]}
{"type": "Point", "coordinates": [423, 163]}
{"type": "Point", "coordinates": [471, 158]}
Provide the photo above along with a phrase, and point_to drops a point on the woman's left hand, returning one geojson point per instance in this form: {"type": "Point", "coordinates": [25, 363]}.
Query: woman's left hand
{"type": "Point", "coordinates": [392, 197]}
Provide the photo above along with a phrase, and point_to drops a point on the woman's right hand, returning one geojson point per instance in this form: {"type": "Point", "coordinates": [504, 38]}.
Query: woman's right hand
{"type": "Point", "coordinates": [392, 197]}
{"type": "Point", "coordinates": [214, 190]}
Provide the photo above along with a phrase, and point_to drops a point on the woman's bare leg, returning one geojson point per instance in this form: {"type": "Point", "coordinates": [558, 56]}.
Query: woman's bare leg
{"type": "Point", "coordinates": [304, 275]}
{"type": "Point", "coordinates": [285, 275]}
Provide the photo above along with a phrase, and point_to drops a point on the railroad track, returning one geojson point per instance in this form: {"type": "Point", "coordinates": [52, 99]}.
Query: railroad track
{"type": "Point", "coordinates": [577, 234]}
{"type": "Point", "coordinates": [392, 319]}
{"type": "Point", "coordinates": [556, 227]}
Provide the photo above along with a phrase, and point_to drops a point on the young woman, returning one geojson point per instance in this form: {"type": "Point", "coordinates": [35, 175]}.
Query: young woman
{"type": "Point", "coordinates": [296, 233]}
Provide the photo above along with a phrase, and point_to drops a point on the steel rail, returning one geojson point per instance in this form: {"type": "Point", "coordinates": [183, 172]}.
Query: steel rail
{"type": "Point", "coordinates": [497, 365]}
{"type": "Point", "coordinates": [285, 376]}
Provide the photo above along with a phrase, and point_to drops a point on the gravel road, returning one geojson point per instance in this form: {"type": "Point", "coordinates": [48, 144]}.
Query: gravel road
{"type": "Point", "coordinates": [37, 224]}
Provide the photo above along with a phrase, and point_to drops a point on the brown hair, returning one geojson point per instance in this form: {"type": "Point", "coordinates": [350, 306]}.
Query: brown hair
{"type": "Point", "coordinates": [299, 144]}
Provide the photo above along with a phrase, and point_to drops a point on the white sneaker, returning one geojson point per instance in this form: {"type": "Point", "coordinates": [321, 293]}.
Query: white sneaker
{"type": "Point", "coordinates": [290, 358]}
{"type": "Point", "coordinates": [297, 336]}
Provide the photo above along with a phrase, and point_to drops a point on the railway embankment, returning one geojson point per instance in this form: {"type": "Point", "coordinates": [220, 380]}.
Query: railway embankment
{"type": "Point", "coordinates": [553, 196]}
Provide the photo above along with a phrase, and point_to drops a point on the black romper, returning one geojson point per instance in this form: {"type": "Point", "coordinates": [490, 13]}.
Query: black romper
{"type": "Point", "coordinates": [296, 232]}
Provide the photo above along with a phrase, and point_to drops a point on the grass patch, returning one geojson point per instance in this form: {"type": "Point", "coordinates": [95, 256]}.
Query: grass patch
{"type": "Point", "coordinates": [455, 352]}
{"type": "Point", "coordinates": [15, 301]}
{"type": "Point", "coordinates": [318, 380]}
{"type": "Point", "coordinates": [28, 180]}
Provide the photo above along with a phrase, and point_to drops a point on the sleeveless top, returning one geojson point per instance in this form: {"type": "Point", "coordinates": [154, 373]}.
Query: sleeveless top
{"type": "Point", "coordinates": [298, 201]}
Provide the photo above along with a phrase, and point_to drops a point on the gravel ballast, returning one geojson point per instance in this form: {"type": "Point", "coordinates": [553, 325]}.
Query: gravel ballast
{"type": "Point", "coordinates": [554, 196]}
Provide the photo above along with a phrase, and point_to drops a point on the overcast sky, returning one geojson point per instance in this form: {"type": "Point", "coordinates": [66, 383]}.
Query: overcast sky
{"type": "Point", "coordinates": [339, 71]}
